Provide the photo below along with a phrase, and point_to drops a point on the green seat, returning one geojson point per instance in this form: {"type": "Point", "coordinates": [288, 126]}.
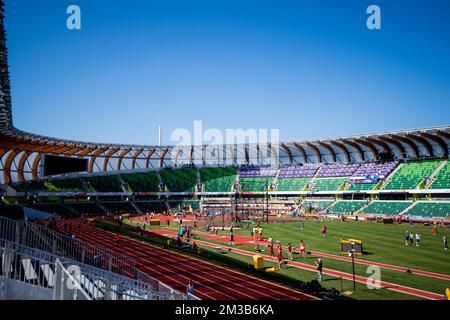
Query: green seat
{"type": "Point", "coordinates": [218, 179]}
{"type": "Point", "coordinates": [386, 207]}
{"type": "Point", "coordinates": [255, 184]}
{"type": "Point", "coordinates": [329, 184]}
{"type": "Point", "coordinates": [361, 186]}
{"type": "Point", "coordinates": [411, 174]}
{"type": "Point", "coordinates": [430, 209]}
{"type": "Point", "coordinates": [292, 184]}
{"type": "Point", "coordinates": [442, 179]}
{"type": "Point", "coordinates": [347, 206]}
{"type": "Point", "coordinates": [179, 180]}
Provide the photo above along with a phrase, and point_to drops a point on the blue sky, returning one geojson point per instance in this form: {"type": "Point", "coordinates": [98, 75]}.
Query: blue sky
{"type": "Point", "coordinates": [309, 68]}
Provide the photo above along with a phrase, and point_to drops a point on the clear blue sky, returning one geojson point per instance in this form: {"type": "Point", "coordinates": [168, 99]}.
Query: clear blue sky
{"type": "Point", "coordinates": [309, 68]}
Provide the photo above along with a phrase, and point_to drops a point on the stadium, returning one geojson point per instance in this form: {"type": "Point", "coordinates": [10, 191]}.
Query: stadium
{"type": "Point", "coordinates": [142, 222]}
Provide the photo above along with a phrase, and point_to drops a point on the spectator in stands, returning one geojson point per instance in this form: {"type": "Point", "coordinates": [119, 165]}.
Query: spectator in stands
{"type": "Point", "coordinates": [190, 288]}
{"type": "Point", "coordinates": [445, 241]}
{"type": "Point", "coordinates": [98, 260]}
{"type": "Point", "coordinates": [319, 266]}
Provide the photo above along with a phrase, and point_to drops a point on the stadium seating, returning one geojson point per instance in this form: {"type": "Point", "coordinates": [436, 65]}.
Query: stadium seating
{"type": "Point", "coordinates": [292, 184]}
{"type": "Point", "coordinates": [304, 171]}
{"type": "Point", "coordinates": [361, 186]}
{"type": "Point", "coordinates": [442, 179]}
{"type": "Point", "coordinates": [430, 209]}
{"type": "Point", "coordinates": [179, 180]}
{"type": "Point", "coordinates": [255, 171]}
{"type": "Point", "coordinates": [386, 207]}
{"type": "Point", "coordinates": [142, 181]}
{"type": "Point", "coordinates": [322, 204]}
{"type": "Point", "coordinates": [119, 207]}
{"type": "Point", "coordinates": [347, 206]}
{"type": "Point", "coordinates": [367, 175]}
{"type": "Point", "coordinates": [337, 170]}
{"type": "Point", "coordinates": [328, 184]}
{"type": "Point", "coordinates": [179, 205]}
{"type": "Point", "coordinates": [254, 184]}
{"type": "Point", "coordinates": [254, 178]}
{"type": "Point", "coordinates": [218, 179]}
{"type": "Point", "coordinates": [85, 207]}
{"type": "Point", "coordinates": [151, 206]}
{"type": "Point", "coordinates": [411, 174]}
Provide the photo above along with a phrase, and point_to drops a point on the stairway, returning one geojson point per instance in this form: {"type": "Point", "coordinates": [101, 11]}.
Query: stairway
{"type": "Point", "coordinates": [433, 176]}
{"type": "Point", "coordinates": [136, 207]}
{"type": "Point", "coordinates": [386, 181]}
{"type": "Point", "coordinates": [363, 207]}
{"type": "Point", "coordinates": [408, 208]}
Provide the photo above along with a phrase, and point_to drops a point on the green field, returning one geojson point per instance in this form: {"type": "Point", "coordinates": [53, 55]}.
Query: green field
{"type": "Point", "coordinates": [382, 243]}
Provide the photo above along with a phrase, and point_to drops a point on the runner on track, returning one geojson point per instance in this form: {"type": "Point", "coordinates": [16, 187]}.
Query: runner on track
{"type": "Point", "coordinates": [117, 239]}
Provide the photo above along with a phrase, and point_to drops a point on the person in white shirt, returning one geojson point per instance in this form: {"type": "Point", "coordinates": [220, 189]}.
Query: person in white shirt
{"type": "Point", "coordinates": [417, 239]}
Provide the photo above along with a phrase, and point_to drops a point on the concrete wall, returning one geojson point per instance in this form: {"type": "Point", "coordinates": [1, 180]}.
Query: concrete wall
{"type": "Point", "coordinates": [16, 290]}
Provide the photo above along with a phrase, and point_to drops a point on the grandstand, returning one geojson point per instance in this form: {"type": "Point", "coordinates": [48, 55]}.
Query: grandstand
{"type": "Point", "coordinates": [442, 179]}
{"type": "Point", "coordinates": [220, 179]}
{"type": "Point", "coordinates": [347, 206]}
{"type": "Point", "coordinates": [331, 184]}
{"type": "Point", "coordinates": [411, 174]}
{"type": "Point", "coordinates": [430, 209]}
{"type": "Point", "coordinates": [387, 208]}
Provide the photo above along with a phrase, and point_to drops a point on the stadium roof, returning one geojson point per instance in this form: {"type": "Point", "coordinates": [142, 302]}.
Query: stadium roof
{"type": "Point", "coordinates": [21, 152]}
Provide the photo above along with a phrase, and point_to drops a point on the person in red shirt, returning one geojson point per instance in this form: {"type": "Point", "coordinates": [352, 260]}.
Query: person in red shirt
{"type": "Point", "coordinates": [279, 258]}
{"type": "Point", "coordinates": [302, 248]}
{"type": "Point", "coordinates": [289, 250]}
{"type": "Point", "coordinates": [271, 253]}
{"type": "Point", "coordinates": [117, 239]}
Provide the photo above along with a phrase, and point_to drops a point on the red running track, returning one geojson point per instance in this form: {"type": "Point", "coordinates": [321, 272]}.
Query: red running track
{"type": "Point", "coordinates": [210, 281]}
{"type": "Point", "coordinates": [387, 285]}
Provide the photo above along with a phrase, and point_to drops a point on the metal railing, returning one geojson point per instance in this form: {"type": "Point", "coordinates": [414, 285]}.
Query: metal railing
{"type": "Point", "coordinates": [73, 280]}
{"type": "Point", "coordinates": [43, 239]}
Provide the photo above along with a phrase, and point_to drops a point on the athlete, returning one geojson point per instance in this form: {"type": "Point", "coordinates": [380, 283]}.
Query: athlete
{"type": "Point", "coordinates": [302, 249]}
{"type": "Point", "coordinates": [279, 258]}
{"type": "Point", "coordinates": [231, 236]}
{"type": "Point", "coordinates": [271, 253]}
{"type": "Point", "coordinates": [289, 250]}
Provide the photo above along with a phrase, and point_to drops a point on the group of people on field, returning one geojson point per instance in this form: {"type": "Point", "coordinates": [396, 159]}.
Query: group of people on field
{"type": "Point", "coordinates": [410, 237]}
